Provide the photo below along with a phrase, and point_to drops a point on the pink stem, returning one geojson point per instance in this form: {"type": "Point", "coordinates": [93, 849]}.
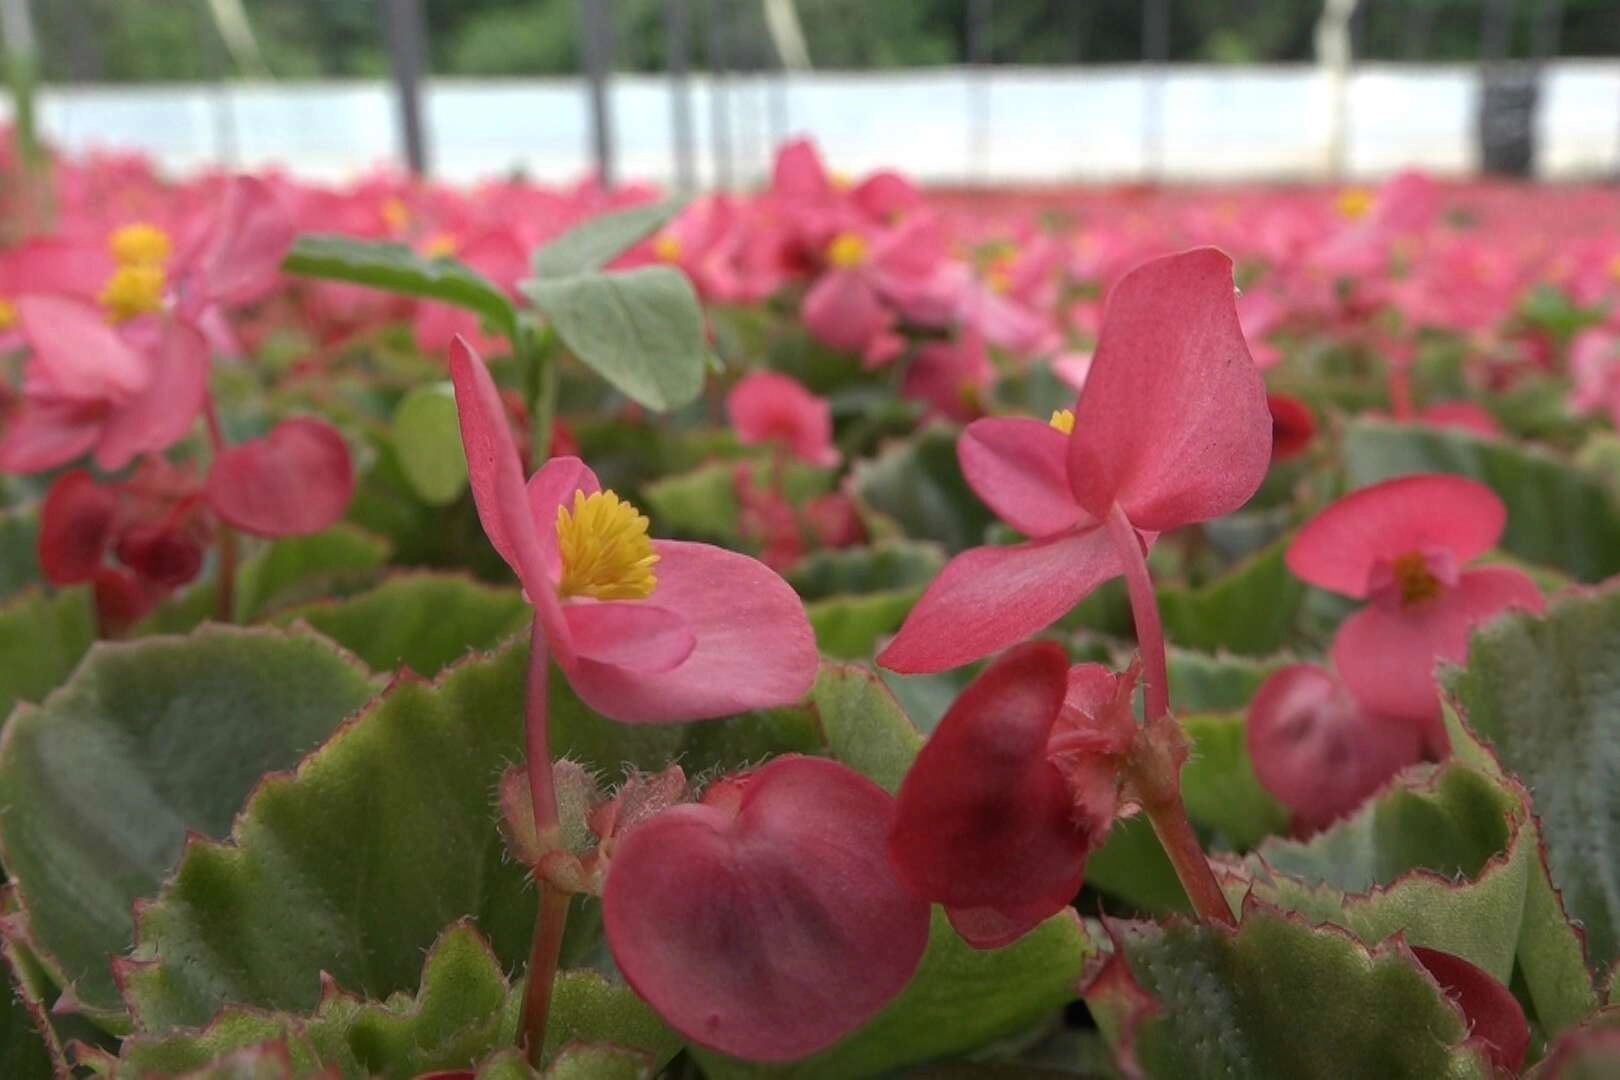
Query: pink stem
{"type": "Point", "coordinates": [1154, 766]}
{"type": "Point", "coordinates": [552, 917]}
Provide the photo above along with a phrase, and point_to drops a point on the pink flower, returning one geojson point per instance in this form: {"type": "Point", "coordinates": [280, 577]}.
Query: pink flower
{"type": "Point", "coordinates": [296, 480]}
{"type": "Point", "coordinates": [770, 408]}
{"type": "Point", "coordinates": [950, 377]}
{"type": "Point", "coordinates": [1403, 544]}
{"type": "Point", "coordinates": [1171, 429]}
{"type": "Point", "coordinates": [647, 631]}
{"type": "Point", "coordinates": [1594, 361]}
{"type": "Point", "coordinates": [767, 921]}
{"type": "Point", "coordinates": [1012, 792]}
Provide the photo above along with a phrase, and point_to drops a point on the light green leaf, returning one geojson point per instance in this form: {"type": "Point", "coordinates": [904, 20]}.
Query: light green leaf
{"type": "Point", "coordinates": [42, 639]}
{"type": "Point", "coordinates": [1250, 610]}
{"type": "Point", "coordinates": [19, 558]}
{"type": "Point", "coordinates": [919, 485]}
{"type": "Point", "coordinates": [148, 742]}
{"type": "Point", "coordinates": [641, 330]}
{"type": "Point", "coordinates": [597, 242]}
{"type": "Point", "coordinates": [396, 268]}
{"type": "Point", "coordinates": [866, 728]}
{"type": "Point", "coordinates": [307, 567]}
{"type": "Point", "coordinates": [1203, 683]}
{"type": "Point", "coordinates": [426, 433]}
{"type": "Point", "coordinates": [1219, 786]}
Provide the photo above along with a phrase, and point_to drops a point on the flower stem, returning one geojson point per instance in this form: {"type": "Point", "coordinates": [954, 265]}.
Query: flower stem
{"type": "Point", "coordinates": [225, 575]}
{"type": "Point", "coordinates": [552, 916]}
{"type": "Point", "coordinates": [1154, 767]}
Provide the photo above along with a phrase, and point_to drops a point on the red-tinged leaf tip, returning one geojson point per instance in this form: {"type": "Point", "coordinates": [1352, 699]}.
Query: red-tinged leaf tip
{"type": "Point", "coordinates": [1340, 549]}
{"type": "Point", "coordinates": [1173, 423]}
{"type": "Point", "coordinates": [769, 924]}
{"type": "Point", "coordinates": [1494, 1016]}
{"type": "Point", "coordinates": [984, 819]}
{"type": "Point", "coordinates": [295, 481]}
{"type": "Point", "coordinates": [1112, 992]}
{"type": "Point", "coordinates": [1317, 750]}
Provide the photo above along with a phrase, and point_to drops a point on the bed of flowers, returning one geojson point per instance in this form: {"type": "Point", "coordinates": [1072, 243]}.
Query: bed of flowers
{"type": "Point", "coordinates": [833, 631]}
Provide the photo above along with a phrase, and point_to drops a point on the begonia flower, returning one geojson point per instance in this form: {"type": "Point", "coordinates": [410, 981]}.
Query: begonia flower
{"type": "Point", "coordinates": [767, 407]}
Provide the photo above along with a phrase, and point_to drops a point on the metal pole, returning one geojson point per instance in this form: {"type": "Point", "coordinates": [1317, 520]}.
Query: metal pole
{"type": "Point", "coordinates": [406, 35]}
{"type": "Point", "coordinates": [719, 106]}
{"type": "Point", "coordinates": [596, 51]}
{"type": "Point", "coordinates": [678, 43]}
{"type": "Point", "coordinates": [1155, 55]}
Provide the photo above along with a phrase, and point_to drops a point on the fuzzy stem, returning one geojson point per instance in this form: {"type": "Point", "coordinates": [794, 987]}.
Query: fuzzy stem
{"type": "Point", "coordinates": [225, 583]}
{"type": "Point", "coordinates": [1154, 766]}
{"type": "Point", "coordinates": [552, 916]}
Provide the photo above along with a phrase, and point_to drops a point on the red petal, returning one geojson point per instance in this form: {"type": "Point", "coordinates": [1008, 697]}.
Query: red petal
{"type": "Point", "coordinates": [1386, 655]}
{"type": "Point", "coordinates": [989, 598]}
{"type": "Point", "coordinates": [75, 528]}
{"type": "Point", "coordinates": [1337, 549]}
{"type": "Point", "coordinates": [770, 925]}
{"type": "Point", "coordinates": [1173, 424]}
{"type": "Point", "coordinates": [984, 820]}
{"type": "Point", "coordinates": [1318, 751]}
{"type": "Point", "coordinates": [1293, 426]}
{"type": "Point", "coordinates": [1017, 467]}
{"type": "Point", "coordinates": [1493, 1013]}
{"type": "Point", "coordinates": [295, 481]}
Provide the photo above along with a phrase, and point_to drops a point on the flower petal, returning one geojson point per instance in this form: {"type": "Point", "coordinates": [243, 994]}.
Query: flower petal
{"type": "Point", "coordinates": [160, 415]}
{"type": "Point", "coordinates": [1173, 423]}
{"type": "Point", "coordinates": [767, 925]}
{"type": "Point", "coordinates": [1495, 1018]}
{"type": "Point", "coordinates": [242, 253]}
{"type": "Point", "coordinates": [1337, 549]}
{"type": "Point", "coordinates": [754, 646]}
{"type": "Point", "coordinates": [989, 598]}
{"type": "Point", "coordinates": [76, 355]}
{"type": "Point", "coordinates": [45, 435]}
{"type": "Point", "coordinates": [295, 481]}
{"type": "Point", "coordinates": [553, 486]}
{"type": "Point", "coordinates": [1386, 655]}
{"type": "Point", "coordinates": [630, 634]}
{"type": "Point", "coordinates": [1017, 466]}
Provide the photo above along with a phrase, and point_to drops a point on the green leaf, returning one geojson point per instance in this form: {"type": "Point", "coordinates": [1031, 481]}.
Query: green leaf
{"type": "Point", "coordinates": [306, 567]}
{"type": "Point", "coordinates": [1250, 610]}
{"type": "Point", "coordinates": [386, 834]}
{"type": "Point", "coordinates": [586, 1007]}
{"type": "Point", "coordinates": [919, 485]}
{"type": "Point", "coordinates": [849, 627]}
{"type": "Point", "coordinates": [1203, 683]}
{"type": "Point", "coordinates": [597, 242]}
{"type": "Point", "coordinates": [641, 330]}
{"type": "Point", "coordinates": [1275, 998]}
{"type": "Point", "coordinates": [702, 503]}
{"type": "Point", "coordinates": [28, 1047]}
{"type": "Point", "coordinates": [147, 742]}
{"type": "Point", "coordinates": [894, 566]}
{"type": "Point", "coordinates": [421, 620]}
{"type": "Point", "coordinates": [1219, 786]}
{"type": "Point", "coordinates": [866, 728]}
{"type": "Point", "coordinates": [960, 999]}
{"type": "Point", "coordinates": [1132, 865]}
{"type": "Point", "coordinates": [396, 268]}
{"type": "Point", "coordinates": [426, 433]}
{"type": "Point", "coordinates": [19, 555]}
{"type": "Point", "coordinates": [42, 639]}
{"type": "Point", "coordinates": [583, 1062]}
{"type": "Point", "coordinates": [1558, 516]}
{"type": "Point", "coordinates": [1443, 858]}
{"type": "Point", "coordinates": [1543, 696]}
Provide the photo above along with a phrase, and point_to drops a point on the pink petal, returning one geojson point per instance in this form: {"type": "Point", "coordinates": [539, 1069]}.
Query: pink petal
{"type": "Point", "coordinates": [44, 436]}
{"type": "Point", "coordinates": [551, 488]}
{"type": "Point", "coordinates": [495, 473]}
{"type": "Point", "coordinates": [76, 354]}
{"type": "Point", "coordinates": [799, 175]}
{"type": "Point", "coordinates": [1318, 751]}
{"type": "Point", "coordinates": [768, 407]}
{"type": "Point", "coordinates": [1387, 654]}
{"type": "Point", "coordinates": [629, 634]}
{"type": "Point", "coordinates": [754, 646]}
{"type": "Point", "coordinates": [164, 412]}
{"type": "Point", "coordinates": [295, 481]}
{"type": "Point", "coordinates": [989, 598]}
{"type": "Point", "coordinates": [241, 256]}
{"type": "Point", "coordinates": [1338, 549]}
{"type": "Point", "coordinates": [842, 311]}
{"type": "Point", "coordinates": [1016, 466]}
{"type": "Point", "coordinates": [767, 924]}
{"type": "Point", "coordinates": [1173, 424]}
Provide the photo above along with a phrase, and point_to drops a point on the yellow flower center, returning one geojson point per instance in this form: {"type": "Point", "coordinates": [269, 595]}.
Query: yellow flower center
{"type": "Point", "coordinates": [440, 247]}
{"type": "Point", "coordinates": [847, 251]}
{"type": "Point", "coordinates": [395, 214]}
{"type": "Point", "coordinates": [840, 181]}
{"type": "Point", "coordinates": [1354, 203]}
{"type": "Point", "coordinates": [1414, 579]}
{"type": "Point", "coordinates": [667, 247]}
{"type": "Point", "coordinates": [134, 289]}
{"type": "Point", "coordinates": [140, 244]}
{"type": "Point", "coordinates": [999, 280]}
{"type": "Point", "coordinates": [1063, 420]}
{"type": "Point", "coordinates": [606, 552]}
{"type": "Point", "coordinates": [1614, 268]}
{"type": "Point", "coordinates": [8, 314]}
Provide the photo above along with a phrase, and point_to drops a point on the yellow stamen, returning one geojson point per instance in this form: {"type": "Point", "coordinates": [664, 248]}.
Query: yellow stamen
{"type": "Point", "coordinates": [1413, 578]}
{"type": "Point", "coordinates": [395, 214]}
{"type": "Point", "coordinates": [847, 251]}
{"type": "Point", "coordinates": [667, 247]}
{"type": "Point", "coordinates": [840, 181]}
{"type": "Point", "coordinates": [605, 550]}
{"type": "Point", "coordinates": [999, 279]}
{"type": "Point", "coordinates": [440, 247]}
{"type": "Point", "coordinates": [140, 244]}
{"type": "Point", "coordinates": [1614, 268]}
{"type": "Point", "coordinates": [1354, 203]}
{"type": "Point", "coordinates": [1063, 420]}
{"type": "Point", "coordinates": [8, 314]}
{"type": "Point", "coordinates": [134, 289]}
